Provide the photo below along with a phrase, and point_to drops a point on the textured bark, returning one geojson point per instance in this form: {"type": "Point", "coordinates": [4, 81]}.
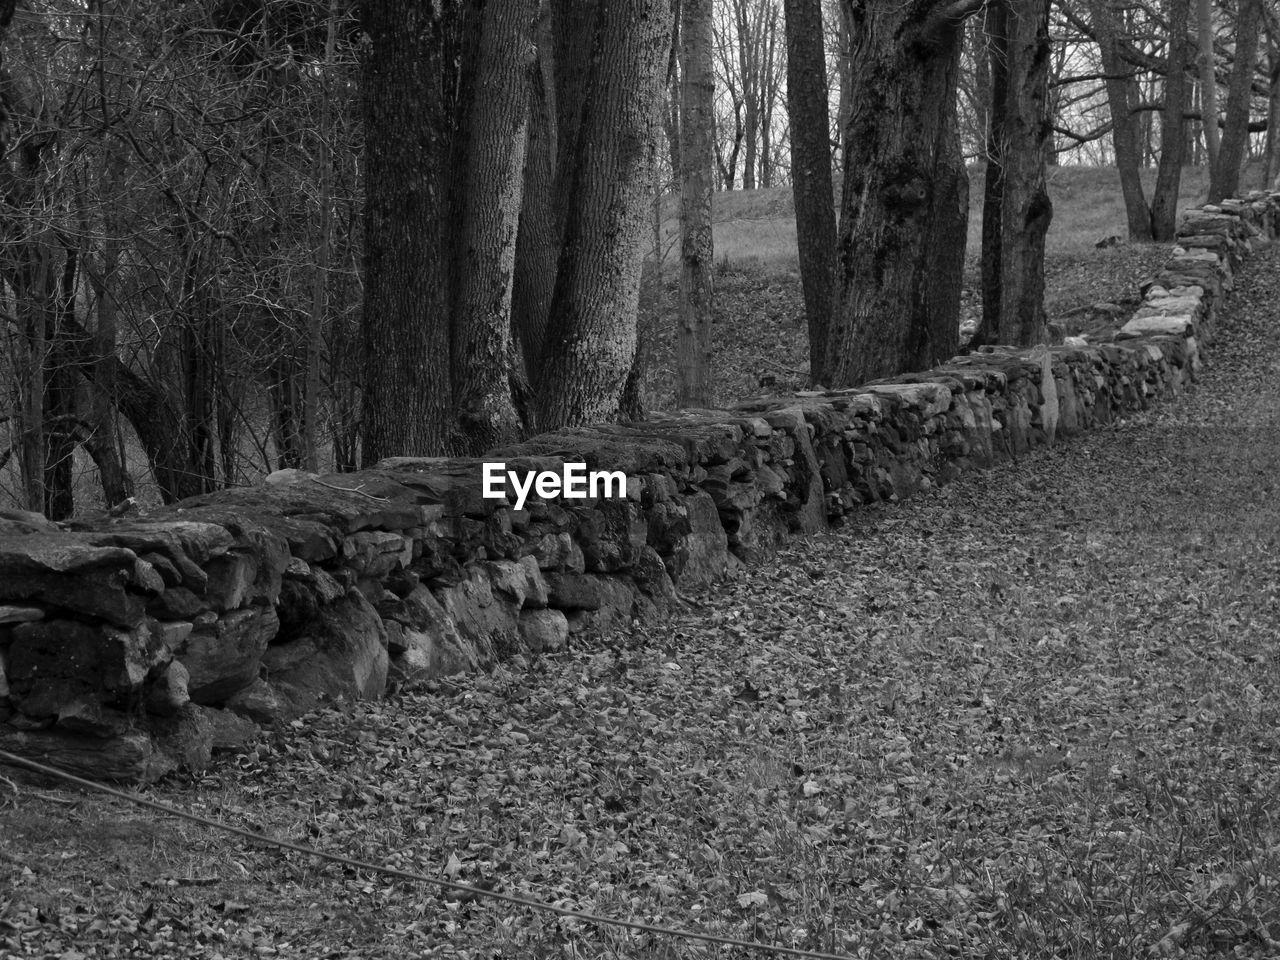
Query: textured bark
{"type": "Point", "coordinates": [407, 400]}
{"type": "Point", "coordinates": [1224, 179]}
{"type": "Point", "coordinates": [811, 185]}
{"type": "Point", "coordinates": [1164, 200]}
{"type": "Point", "coordinates": [1126, 135]}
{"type": "Point", "coordinates": [903, 93]}
{"type": "Point", "coordinates": [1208, 63]}
{"type": "Point", "coordinates": [491, 199]}
{"type": "Point", "coordinates": [538, 237]}
{"type": "Point", "coordinates": [1271, 158]}
{"type": "Point", "coordinates": [937, 338]}
{"type": "Point", "coordinates": [1017, 210]}
{"type": "Point", "coordinates": [697, 172]}
{"type": "Point", "coordinates": [591, 337]}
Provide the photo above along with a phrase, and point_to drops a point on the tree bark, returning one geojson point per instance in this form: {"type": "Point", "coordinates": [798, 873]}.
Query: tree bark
{"type": "Point", "coordinates": [491, 203]}
{"type": "Point", "coordinates": [811, 183]}
{"type": "Point", "coordinates": [538, 237]}
{"type": "Point", "coordinates": [407, 400]}
{"type": "Point", "coordinates": [591, 337]}
{"type": "Point", "coordinates": [1271, 156]}
{"type": "Point", "coordinates": [1017, 199]}
{"type": "Point", "coordinates": [1224, 179]}
{"type": "Point", "coordinates": [903, 93]}
{"type": "Point", "coordinates": [1164, 200]}
{"type": "Point", "coordinates": [1208, 63]}
{"type": "Point", "coordinates": [1122, 96]}
{"type": "Point", "coordinates": [697, 170]}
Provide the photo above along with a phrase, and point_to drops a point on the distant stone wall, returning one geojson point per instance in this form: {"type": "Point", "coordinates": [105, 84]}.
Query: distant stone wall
{"type": "Point", "coordinates": [132, 647]}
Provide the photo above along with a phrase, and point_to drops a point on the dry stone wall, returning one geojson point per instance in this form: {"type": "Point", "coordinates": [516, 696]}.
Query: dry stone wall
{"type": "Point", "coordinates": [132, 647]}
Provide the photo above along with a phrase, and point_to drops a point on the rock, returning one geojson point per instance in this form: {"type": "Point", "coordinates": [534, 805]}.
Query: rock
{"type": "Point", "coordinates": [53, 663]}
{"type": "Point", "coordinates": [342, 653]}
{"type": "Point", "coordinates": [700, 557]}
{"type": "Point", "coordinates": [171, 634]}
{"type": "Point", "coordinates": [167, 693]}
{"type": "Point", "coordinates": [428, 639]}
{"type": "Point", "coordinates": [185, 740]}
{"type": "Point", "coordinates": [226, 657]}
{"type": "Point", "coordinates": [542, 630]}
{"type": "Point", "coordinates": [229, 732]}
{"type": "Point", "coordinates": [375, 553]}
{"type": "Point", "coordinates": [558, 551]}
{"type": "Point", "coordinates": [10, 614]}
{"type": "Point", "coordinates": [66, 570]}
{"type": "Point", "coordinates": [486, 624]}
{"type": "Point", "coordinates": [128, 758]}
{"type": "Point", "coordinates": [87, 716]}
{"type": "Point", "coordinates": [519, 580]}
{"type": "Point", "coordinates": [258, 702]}
{"type": "Point", "coordinates": [1048, 392]}
{"type": "Point", "coordinates": [19, 522]}
{"type": "Point", "coordinates": [176, 603]}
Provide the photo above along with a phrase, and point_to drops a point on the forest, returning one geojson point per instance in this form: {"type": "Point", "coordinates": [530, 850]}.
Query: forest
{"type": "Point", "coordinates": [246, 235]}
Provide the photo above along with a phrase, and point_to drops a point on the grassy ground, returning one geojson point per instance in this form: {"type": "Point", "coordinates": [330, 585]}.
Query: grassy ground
{"type": "Point", "coordinates": [1034, 714]}
{"type": "Point", "coordinates": [763, 347]}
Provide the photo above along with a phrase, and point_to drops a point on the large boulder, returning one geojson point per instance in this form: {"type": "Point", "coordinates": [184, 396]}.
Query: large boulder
{"type": "Point", "coordinates": [225, 655]}
{"type": "Point", "coordinates": [55, 663]}
{"type": "Point", "coordinates": [67, 570]}
{"type": "Point", "coordinates": [341, 653]}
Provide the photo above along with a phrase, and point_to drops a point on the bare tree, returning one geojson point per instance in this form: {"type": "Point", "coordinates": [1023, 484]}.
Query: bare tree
{"type": "Point", "coordinates": [1016, 209]}
{"type": "Point", "coordinates": [811, 183]}
{"type": "Point", "coordinates": [1224, 176]}
{"type": "Point", "coordinates": [697, 170]}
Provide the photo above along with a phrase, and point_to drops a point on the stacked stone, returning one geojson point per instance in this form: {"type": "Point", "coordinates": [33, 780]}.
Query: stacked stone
{"type": "Point", "coordinates": [129, 648]}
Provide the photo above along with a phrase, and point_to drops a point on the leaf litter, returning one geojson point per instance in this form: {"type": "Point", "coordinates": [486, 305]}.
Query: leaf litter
{"type": "Point", "coordinates": [1031, 714]}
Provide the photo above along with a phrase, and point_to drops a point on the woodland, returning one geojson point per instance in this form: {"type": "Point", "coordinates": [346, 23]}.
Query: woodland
{"type": "Point", "coordinates": [245, 235]}
{"type": "Point", "coordinates": [1032, 713]}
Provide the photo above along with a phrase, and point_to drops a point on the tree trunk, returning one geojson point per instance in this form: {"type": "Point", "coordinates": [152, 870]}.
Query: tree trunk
{"type": "Point", "coordinates": [937, 339]}
{"type": "Point", "coordinates": [697, 255]}
{"type": "Point", "coordinates": [811, 184]}
{"type": "Point", "coordinates": [1126, 134]}
{"type": "Point", "coordinates": [406, 379]}
{"type": "Point", "coordinates": [1224, 179]}
{"type": "Point", "coordinates": [1013, 257]}
{"type": "Point", "coordinates": [1164, 200]}
{"type": "Point", "coordinates": [904, 63]}
{"type": "Point", "coordinates": [844, 50]}
{"type": "Point", "coordinates": [320, 278]}
{"type": "Point", "coordinates": [538, 237]}
{"type": "Point", "coordinates": [591, 334]}
{"type": "Point", "coordinates": [1208, 63]}
{"type": "Point", "coordinates": [1271, 156]}
{"type": "Point", "coordinates": [491, 202]}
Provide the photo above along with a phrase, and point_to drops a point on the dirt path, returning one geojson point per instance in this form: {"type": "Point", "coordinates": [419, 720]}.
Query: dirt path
{"type": "Point", "coordinates": [1034, 714]}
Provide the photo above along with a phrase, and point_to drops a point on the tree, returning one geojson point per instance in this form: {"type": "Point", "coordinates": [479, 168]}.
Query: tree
{"type": "Point", "coordinates": [1208, 63]}
{"type": "Point", "coordinates": [445, 152]}
{"type": "Point", "coordinates": [900, 172]}
{"type": "Point", "coordinates": [407, 396]}
{"type": "Point", "coordinates": [1016, 208]}
{"type": "Point", "coordinates": [697, 159]}
{"type": "Point", "coordinates": [591, 332]}
{"type": "Point", "coordinates": [1164, 202]}
{"type": "Point", "coordinates": [1224, 176]}
{"type": "Point", "coordinates": [811, 184]}
{"type": "Point", "coordinates": [1122, 97]}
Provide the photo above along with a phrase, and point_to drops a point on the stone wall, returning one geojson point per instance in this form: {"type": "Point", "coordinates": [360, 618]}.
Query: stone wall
{"type": "Point", "coordinates": [132, 647]}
